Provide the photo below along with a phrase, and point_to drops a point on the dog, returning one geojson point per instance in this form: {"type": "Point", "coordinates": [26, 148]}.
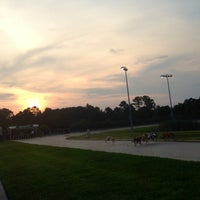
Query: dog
{"type": "Point", "coordinates": [109, 138]}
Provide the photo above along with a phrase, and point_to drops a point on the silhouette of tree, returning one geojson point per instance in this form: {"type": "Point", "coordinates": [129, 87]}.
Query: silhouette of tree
{"type": "Point", "coordinates": [25, 117]}
{"type": "Point", "coordinates": [189, 109]}
{"type": "Point", "coordinates": [144, 111]}
{"type": "Point", "coordinates": [162, 113]}
{"type": "Point", "coordinates": [137, 102]}
{"type": "Point", "coordinates": [124, 106]}
{"type": "Point", "coordinates": [5, 117]}
{"type": "Point", "coordinates": [108, 111]}
{"type": "Point", "coordinates": [144, 101]}
{"type": "Point", "coordinates": [148, 103]}
{"type": "Point", "coordinates": [35, 110]}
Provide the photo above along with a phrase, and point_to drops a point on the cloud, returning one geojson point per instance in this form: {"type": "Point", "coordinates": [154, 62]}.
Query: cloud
{"type": "Point", "coordinates": [116, 51]}
{"type": "Point", "coordinates": [74, 53]}
{"type": "Point", "coordinates": [7, 96]}
{"type": "Point", "coordinates": [24, 60]}
{"type": "Point", "coordinates": [33, 67]}
{"type": "Point", "coordinates": [150, 59]}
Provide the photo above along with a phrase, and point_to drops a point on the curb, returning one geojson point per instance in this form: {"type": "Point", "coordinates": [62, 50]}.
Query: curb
{"type": "Point", "coordinates": [2, 193]}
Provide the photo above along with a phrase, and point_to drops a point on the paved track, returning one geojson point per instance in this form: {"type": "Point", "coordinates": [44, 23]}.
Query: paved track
{"type": "Point", "coordinates": [176, 150]}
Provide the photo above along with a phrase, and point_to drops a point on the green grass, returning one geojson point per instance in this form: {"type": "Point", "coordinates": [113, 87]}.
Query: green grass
{"type": "Point", "coordinates": [187, 135]}
{"type": "Point", "coordinates": [34, 172]}
{"type": "Point", "coordinates": [127, 134]}
{"type": "Point", "coordinates": [121, 134]}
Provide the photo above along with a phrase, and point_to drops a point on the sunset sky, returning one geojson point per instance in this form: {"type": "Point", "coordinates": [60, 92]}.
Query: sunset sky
{"type": "Point", "coordinates": [63, 53]}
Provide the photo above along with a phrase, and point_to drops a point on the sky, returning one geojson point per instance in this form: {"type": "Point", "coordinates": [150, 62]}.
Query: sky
{"type": "Point", "coordinates": [63, 53]}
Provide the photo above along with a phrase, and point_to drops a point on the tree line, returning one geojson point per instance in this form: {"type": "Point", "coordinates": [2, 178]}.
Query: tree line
{"type": "Point", "coordinates": [143, 109]}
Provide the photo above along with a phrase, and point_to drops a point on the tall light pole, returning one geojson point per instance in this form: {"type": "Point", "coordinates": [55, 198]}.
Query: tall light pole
{"type": "Point", "coordinates": [167, 76]}
{"type": "Point", "coordinates": [129, 103]}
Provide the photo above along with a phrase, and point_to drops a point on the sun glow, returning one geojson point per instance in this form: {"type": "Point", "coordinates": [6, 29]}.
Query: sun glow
{"type": "Point", "coordinates": [29, 100]}
{"type": "Point", "coordinates": [38, 102]}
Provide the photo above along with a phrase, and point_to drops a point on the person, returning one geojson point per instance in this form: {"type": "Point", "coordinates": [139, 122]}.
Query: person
{"type": "Point", "coordinates": [88, 133]}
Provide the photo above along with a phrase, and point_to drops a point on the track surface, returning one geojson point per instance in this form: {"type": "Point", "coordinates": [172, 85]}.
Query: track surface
{"type": "Point", "coordinates": [176, 150]}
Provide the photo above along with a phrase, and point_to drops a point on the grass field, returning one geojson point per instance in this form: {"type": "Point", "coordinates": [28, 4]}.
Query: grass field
{"type": "Point", "coordinates": [33, 172]}
{"type": "Point", "coordinates": [127, 134]}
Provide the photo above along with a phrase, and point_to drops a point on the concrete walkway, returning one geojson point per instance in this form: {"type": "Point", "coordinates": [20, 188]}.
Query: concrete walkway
{"type": "Point", "coordinates": [2, 192]}
{"type": "Point", "coordinates": [176, 150]}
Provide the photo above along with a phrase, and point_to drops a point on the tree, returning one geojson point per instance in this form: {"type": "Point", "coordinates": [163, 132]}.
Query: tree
{"type": "Point", "coordinates": [148, 103]}
{"type": "Point", "coordinates": [137, 102]}
{"type": "Point", "coordinates": [5, 114]}
{"type": "Point", "coordinates": [25, 117]}
{"type": "Point", "coordinates": [5, 117]}
{"type": "Point", "coordinates": [124, 106]}
{"type": "Point", "coordinates": [190, 109]}
{"type": "Point", "coordinates": [108, 112]}
{"type": "Point", "coordinates": [163, 112]}
{"type": "Point", "coordinates": [35, 110]}
{"type": "Point", "coordinates": [179, 111]}
{"type": "Point", "coordinates": [144, 101]}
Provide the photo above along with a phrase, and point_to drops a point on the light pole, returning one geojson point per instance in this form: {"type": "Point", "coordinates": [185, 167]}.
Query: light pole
{"type": "Point", "coordinates": [129, 103]}
{"type": "Point", "coordinates": [167, 76]}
